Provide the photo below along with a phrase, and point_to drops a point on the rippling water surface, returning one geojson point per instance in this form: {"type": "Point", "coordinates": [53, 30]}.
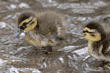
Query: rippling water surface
{"type": "Point", "coordinates": [17, 56]}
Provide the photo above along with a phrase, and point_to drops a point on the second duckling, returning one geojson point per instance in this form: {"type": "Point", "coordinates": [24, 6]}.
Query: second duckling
{"type": "Point", "coordinates": [98, 41]}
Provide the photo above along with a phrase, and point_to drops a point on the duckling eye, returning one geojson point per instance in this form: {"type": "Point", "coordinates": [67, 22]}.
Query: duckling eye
{"type": "Point", "coordinates": [23, 26]}
{"type": "Point", "coordinates": [92, 34]}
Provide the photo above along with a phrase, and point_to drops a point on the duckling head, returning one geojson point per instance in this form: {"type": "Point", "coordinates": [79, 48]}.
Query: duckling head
{"type": "Point", "coordinates": [93, 31]}
{"type": "Point", "coordinates": [26, 22]}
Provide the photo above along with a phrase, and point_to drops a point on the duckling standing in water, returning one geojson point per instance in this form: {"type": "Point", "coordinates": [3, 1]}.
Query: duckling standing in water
{"type": "Point", "coordinates": [41, 30]}
{"type": "Point", "coordinates": [98, 41]}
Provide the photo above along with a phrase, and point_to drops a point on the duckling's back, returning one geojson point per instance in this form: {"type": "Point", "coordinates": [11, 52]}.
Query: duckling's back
{"type": "Point", "coordinates": [49, 23]}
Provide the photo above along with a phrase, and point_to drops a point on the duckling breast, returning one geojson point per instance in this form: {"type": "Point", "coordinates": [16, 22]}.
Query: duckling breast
{"type": "Point", "coordinates": [95, 52]}
{"type": "Point", "coordinates": [39, 40]}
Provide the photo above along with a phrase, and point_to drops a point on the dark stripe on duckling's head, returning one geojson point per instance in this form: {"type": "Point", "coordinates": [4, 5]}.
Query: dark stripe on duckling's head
{"type": "Point", "coordinates": [24, 25]}
{"type": "Point", "coordinates": [27, 21]}
{"type": "Point", "coordinates": [95, 25]}
{"type": "Point", "coordinates": [24, 19]}
{"type": "Point", "coordinates": [24, 16]}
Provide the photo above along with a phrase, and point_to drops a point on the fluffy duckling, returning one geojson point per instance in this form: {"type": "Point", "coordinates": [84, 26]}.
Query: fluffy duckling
{"type": "Point", "coordinates": [98, 41]}
{"type": "Point", "coordinates": [43, 29]}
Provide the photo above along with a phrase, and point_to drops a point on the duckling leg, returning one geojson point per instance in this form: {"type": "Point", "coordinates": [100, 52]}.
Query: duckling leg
{"type": "Point", "coordinates": [103, 65]}
{"type": "Point", "coordinates": [107, 66]}
{"type": "Point", "coordinates": [48, 50]}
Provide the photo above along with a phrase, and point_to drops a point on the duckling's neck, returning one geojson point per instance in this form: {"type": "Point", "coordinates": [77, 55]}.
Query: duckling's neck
{"type": "Point", "coordinates": [97, 44]}
{"type": "Point", "coordinates": [103, 36]}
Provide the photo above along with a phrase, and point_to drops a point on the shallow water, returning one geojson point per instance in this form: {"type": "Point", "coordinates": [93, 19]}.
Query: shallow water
{"type": "Point", "coordinates": [17, 56]}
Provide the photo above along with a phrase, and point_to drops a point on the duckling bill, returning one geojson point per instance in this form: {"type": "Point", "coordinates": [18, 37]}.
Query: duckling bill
{"type": "Point", "coordinates": [41, 29]}
{"type": "Point", "coordinates": [17, 34]}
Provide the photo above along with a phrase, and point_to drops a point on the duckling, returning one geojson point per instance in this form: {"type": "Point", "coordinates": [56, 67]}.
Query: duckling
{"type": "Point", "coordinates": [98, 41]}
{"type": "Point", "coordinates": [44, 29]}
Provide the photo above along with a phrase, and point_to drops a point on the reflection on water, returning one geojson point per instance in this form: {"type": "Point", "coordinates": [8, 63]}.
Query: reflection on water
{"type": "Point", "coordinates": [18, 56]}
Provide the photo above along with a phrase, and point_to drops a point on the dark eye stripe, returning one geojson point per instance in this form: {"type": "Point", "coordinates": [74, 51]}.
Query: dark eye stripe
{"type": "Point", "coordinates": [92, 34]}
{"type": "Point", "coordinates": [24, 25]}
{"type": "Point", "coordinates": [32, 23]}
{"type": "Point", "coordinates": [29, 21]}
{"type": "Point", "coordinates": [87, 31]}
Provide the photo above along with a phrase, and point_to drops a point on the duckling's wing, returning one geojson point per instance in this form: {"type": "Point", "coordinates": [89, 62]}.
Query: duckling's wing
{"type": "Point", "coordinates": [106, 48]}
{"type": "Point", "coordinates": [107, 43]}
{"type": "Point", "coordinates": [108, 36]}
{"type": "Point", "coordinates": [46, 25]}
{"type": "Point", "coordinates": [50, 23]}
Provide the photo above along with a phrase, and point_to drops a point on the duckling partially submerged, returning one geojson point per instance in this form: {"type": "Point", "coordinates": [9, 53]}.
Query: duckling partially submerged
{"type": "Point", "coordinates": [98, 41]}
{"type": "Point", "coordinates": [42, 29]}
